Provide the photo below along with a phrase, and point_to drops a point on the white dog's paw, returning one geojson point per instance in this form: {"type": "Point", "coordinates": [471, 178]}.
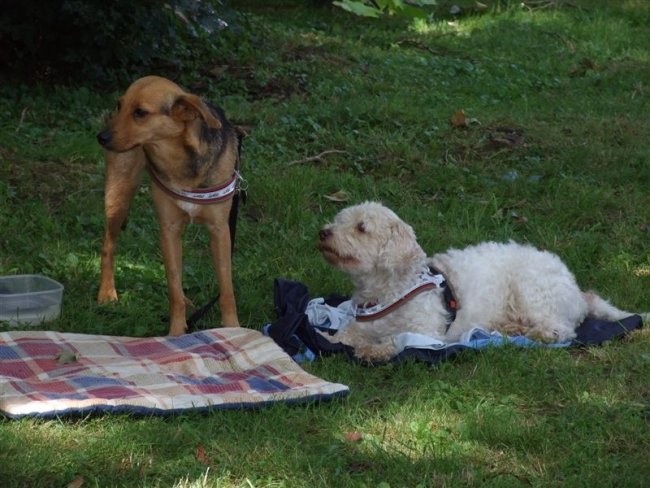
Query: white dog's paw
{"type": "Point", "coordinates": [376, 353]}
{"type": "Point", "coordinates": [551, 335]}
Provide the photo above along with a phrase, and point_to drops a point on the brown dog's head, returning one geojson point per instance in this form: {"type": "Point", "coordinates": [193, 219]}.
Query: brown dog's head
{"type": "Point", "coordinates": [369, 237]}
{"type": "Point", "coordinates": [153, 109]}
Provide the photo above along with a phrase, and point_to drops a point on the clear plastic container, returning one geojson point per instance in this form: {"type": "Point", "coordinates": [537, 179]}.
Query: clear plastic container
{"type": "Point", "coordinates": [29, 299]}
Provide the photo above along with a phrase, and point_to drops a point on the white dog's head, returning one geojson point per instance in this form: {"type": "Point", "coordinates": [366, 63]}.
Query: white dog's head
{"type": "Point", "coordinates": [367, 238]}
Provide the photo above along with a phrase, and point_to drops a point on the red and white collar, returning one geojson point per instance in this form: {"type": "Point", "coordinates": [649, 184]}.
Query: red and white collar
{"type": "Point", "coordinates": [202, 196]}
{"type": "Point", "coordinates": [425, 281]}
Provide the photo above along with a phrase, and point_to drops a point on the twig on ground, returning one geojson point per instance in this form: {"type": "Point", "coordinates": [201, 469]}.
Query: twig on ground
{"type": "Point", "coordinates": [419, 45]}
{"type": "Point", "coordinates": [318, 157]}
{"type": "Point", "coordinates": [424, 47]}
{"type": "Point", "coordinates": [569, 41]}
{"type": "Point", "coordinates": [22, 117]}
{"type": "Point", "coordinates": [542, 4]}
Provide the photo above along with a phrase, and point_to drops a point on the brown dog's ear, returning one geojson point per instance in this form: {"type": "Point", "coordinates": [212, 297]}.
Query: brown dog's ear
{"type": "Point", "coordinates": [189, 107]}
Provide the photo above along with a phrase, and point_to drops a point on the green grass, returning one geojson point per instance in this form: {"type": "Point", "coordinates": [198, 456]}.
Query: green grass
{"type": "Point", "coordinates": [574, 81]}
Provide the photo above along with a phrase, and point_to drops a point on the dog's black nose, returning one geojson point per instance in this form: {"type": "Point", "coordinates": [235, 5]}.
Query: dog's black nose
{"type": "Point", "coordinates": [324, 234]}
{"type": "Point", "coordinates": [104, 137]}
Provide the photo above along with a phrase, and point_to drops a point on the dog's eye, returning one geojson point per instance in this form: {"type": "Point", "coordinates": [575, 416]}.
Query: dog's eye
{"type": "Point", "coordinates": [139, 113]}
{"type": "Point", "coordinates": [361, 227]}
{"type": "Point", "coordinates": [119, 106]}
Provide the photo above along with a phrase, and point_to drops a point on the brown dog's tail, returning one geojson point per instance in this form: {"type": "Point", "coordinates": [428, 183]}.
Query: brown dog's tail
{"type": "Point", "coordinates": [600, 308]}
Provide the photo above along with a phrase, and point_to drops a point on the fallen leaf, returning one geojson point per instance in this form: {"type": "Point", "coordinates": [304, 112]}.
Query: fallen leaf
{"type": "Point", "coordinates": [353, 436]}
{"type": "Point", "coordinates": [519, 219]}
{"type": "Point", "coordinates": [201, 455]}
{"type": "Point", "coordinates": [458, 119]}
{"type": "Point", "coordinates": [583, 67]}
{"type": "Point", "coordinates": [339, 196]}
{"type": "Point", "coordinates": [505, 137]}
{"type": "Point", "coordinates": [358, 467]}
{"type": "Point", "coordinates": [218, 71]}
{"type": "Point", "coordinates": [77, 482]}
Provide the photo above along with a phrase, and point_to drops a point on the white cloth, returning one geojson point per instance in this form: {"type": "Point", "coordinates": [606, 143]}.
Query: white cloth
{"type": "Point", "coordinates": [325, 316]}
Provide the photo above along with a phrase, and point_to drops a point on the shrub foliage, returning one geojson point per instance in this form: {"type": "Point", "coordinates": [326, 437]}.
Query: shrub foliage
{"type": "Point", "coordinates": [67, 40]}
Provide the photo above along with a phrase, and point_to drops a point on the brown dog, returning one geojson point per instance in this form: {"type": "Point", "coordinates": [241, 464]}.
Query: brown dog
{"type": "Point", "coordinates": [191, 153]}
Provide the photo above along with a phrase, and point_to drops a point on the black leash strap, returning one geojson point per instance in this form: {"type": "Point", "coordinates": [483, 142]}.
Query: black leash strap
{"type": "Point", "coordinates": [200, 312]}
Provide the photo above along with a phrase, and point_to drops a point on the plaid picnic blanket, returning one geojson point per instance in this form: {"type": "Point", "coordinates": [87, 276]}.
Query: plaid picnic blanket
{"type": "Point", "coordinates": [45, 373]}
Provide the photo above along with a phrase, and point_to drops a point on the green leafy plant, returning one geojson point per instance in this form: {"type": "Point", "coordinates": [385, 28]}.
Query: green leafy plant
{"type": "Point", "coordinates": [377, 8]}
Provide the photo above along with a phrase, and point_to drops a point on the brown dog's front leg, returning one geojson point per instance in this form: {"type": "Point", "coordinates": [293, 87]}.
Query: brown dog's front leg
{"type": "Point", "coordinates": [123, 172]}
{"type": "Point", "coordinates": [222, 260]}
{"type": "Point", "coordinates": [172, 250]}
{"type": "Point", "coordinates": [172, 222]}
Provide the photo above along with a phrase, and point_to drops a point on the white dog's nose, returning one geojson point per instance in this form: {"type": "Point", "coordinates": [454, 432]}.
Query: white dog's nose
{"type": "Point", "coordinates": [324, 234]}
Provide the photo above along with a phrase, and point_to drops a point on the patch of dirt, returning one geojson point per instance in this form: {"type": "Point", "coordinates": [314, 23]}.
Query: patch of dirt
{"type": "Point", "coordinates": [475, 143]}
{"type": "Point", "coordinates": [310, 53]}
{"type": "Point", "coordinates": [279, 86]}
{"type": "Point", "coordinates": [48, 181]}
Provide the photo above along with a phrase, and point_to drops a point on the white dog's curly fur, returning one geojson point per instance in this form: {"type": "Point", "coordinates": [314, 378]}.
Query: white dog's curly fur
{"type": "Point", "coordinates": [509, 287]}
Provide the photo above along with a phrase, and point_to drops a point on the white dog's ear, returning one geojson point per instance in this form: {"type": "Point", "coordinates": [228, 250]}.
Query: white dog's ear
{"type": "Point", "coordinates": [401, 248]}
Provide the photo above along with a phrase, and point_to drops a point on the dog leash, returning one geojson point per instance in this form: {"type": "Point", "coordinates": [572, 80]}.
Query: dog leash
{"type": "Point", "coordinates": [372, 311]}
{"type": "Point", "coordinates": [427, 280]}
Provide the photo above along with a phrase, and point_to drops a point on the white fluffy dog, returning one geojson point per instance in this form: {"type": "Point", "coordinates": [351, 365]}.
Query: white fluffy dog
{"type": "Point", "coordinates": [513, 288]}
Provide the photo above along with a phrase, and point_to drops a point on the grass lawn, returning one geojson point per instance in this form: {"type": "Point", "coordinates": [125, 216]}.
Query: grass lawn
{"type": "Point", "coordinates": [553, 151]}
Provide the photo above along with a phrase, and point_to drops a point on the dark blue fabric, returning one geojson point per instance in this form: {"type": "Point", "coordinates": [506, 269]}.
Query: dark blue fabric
{"type": "Point", "coordinates": [593, 332]}
{"type": "Point", "coordinates": [292, 331]}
